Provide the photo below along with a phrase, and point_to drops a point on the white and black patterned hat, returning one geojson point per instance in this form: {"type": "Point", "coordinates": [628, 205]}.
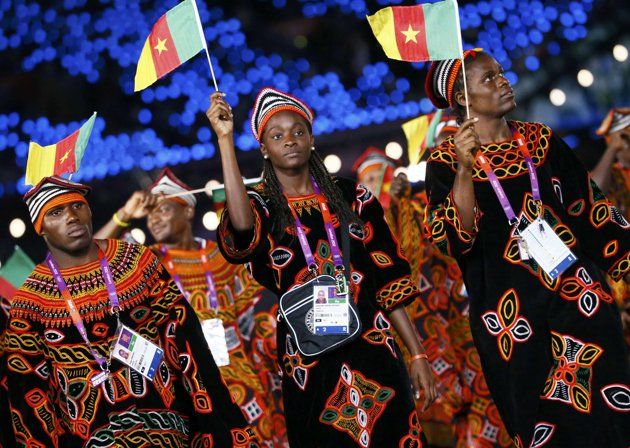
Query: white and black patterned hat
{"type": "Point", "coordinates": [49, 191]}
{"type": "Point", "coordinates": [616, 120]}
{"type": "Point", "coordinates": [167, 183]}
{"type": "Point", "coordinates": [271, 101]}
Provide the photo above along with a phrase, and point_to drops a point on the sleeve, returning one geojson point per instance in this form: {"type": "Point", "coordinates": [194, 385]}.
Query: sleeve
{"type": "Point", "coordinates": [602, 231]}
{"type": "Point", "coordinates": [405, 220]}
{"type": "Point", "coordinates": [215, 419]}
{"type": "Point", "coordinates": [26, 373]}
{"type": "Point", "coordinates": [442, 221]}
{"type": "Point", "coordinates": [391, 269]}
{"type": "Point", "coordinates": [239, 247]}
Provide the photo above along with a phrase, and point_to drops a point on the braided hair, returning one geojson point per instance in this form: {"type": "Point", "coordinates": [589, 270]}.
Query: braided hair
{"type": "Point", "coordinates": [280, 208]}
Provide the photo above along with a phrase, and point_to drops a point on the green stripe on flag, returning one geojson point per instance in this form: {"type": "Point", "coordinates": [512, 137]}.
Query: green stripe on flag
{"type": "Point", "coordinates": [442, 32]}
{"type": "Point", "coordinates": [437, 117]}
{"type": "Point", "coordinates": [17, 268]}
{"type": "Point", "coordinates": [182, 23]}
{"type": "Point", "coordinates": [82, 140]}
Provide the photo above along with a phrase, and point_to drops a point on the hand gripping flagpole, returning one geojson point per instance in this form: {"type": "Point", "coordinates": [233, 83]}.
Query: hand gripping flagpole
{"type": "Point", "coordinates": [205, 45]}
{"type": "Point", "coordinates": [461, 52]}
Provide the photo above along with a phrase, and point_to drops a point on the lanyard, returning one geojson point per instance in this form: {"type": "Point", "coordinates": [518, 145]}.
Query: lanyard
{"type": "Point", "coordinates": [212, 290]}
{"type": "Point", "coordinates": [330, 232]}
{"type": "Point", "coordinates": [74, 312]}
{"type": "Point", "coordinates": [496, 184]}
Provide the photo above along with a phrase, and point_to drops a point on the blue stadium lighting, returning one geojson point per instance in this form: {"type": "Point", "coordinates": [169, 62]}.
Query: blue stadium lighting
{"type": "Point", "coordinates": [85, 44]}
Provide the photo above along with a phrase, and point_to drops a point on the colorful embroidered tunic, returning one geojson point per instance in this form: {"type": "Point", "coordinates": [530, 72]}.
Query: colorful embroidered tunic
{"type": "Point", "coordinates": [552, 350]}
{"type": "Point", "coordinates": [464, 415]}
{"type": "Point", "coordinates": [358, 395]}
{"type": "Point", "coordinates": [49, 367]}
{"type": "Point", "coordinates": [237, 293]}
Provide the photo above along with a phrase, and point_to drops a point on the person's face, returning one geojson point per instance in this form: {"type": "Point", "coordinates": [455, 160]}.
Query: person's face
{"type": "Point", "coordinates": [68, 227]}
{"type": "Point", "coordinates": [168, 220]}
{"type": "Point", "coordinates": [371, 179]}
{"type": "Point", "coordinates": [489, 91]}
{"type": "Point", "coordinates": [287, 141]}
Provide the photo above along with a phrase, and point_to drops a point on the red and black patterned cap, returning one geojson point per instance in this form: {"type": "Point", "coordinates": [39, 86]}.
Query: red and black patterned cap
{"type": "Point", "coordinates": [269, 102]}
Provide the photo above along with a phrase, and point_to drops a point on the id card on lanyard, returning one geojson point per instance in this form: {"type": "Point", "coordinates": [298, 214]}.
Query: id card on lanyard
{"type": "Point", "coordinates": [330, 313]}
{"type": "Point", "coordinates": [77, 320]}
{"type": "Point", "coordinates": [537, 240]}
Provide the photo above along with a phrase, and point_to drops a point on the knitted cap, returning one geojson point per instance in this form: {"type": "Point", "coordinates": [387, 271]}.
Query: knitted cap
{"type": "Point", "coordinates": [269, 102]}
{"type": "Point", "coordinates": [52, 191]}
{"type": "Point", "coordinates": [167, 183]}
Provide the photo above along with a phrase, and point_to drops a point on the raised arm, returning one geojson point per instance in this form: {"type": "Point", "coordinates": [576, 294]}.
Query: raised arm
{"type": "Point", "coordinates": [222, 121]}
{"type": "Point", "coordinates": [136, 207]}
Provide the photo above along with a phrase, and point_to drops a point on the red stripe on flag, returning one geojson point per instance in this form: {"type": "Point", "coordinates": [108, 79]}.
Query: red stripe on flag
{"type": "Point", "coordinates": [7, 290]}
{"type": "Point", "coordinates": [64, 157]}
{"type": "Point", "coordinates": [163, 49]}
{"type": "Point", "coordinates": [410, 33]}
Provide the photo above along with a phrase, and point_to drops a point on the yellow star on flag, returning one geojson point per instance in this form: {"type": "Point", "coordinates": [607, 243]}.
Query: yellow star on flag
{"type": "Point", "coordinates": [161, 45]}
{"type": "Point", "coordinates": [65, 156]}
{"type": "Point", "coordinates": [410, 34]}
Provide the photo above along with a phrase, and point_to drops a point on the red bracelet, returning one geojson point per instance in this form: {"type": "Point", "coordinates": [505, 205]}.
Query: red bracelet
{"type": "Point", "coordinates": [420, 356]}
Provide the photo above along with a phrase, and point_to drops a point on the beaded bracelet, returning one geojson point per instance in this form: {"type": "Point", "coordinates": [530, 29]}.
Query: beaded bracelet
{"type": "Point", "coordinates": [120, 222]}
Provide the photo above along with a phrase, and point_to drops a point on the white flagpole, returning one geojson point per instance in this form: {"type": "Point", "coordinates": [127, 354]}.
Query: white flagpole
{"type": "Point", "coordinates": [205, 45]}
{"type": "Point", "coordinates": [461, 52]}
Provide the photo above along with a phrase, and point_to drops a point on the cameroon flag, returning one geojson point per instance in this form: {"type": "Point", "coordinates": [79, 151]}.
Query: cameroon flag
{"type": "Point", "coordinates": [424, 32]}
{"type": "Point", "coordinates": [62, 157]}
{"type": "Point", "coordinates": [176, 37]}
{"type": "Point", "coordinates": [420, 133]}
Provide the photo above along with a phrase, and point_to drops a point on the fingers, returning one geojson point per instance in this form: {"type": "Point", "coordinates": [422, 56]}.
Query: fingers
{"type": "Point", "coordinates": [467, 124]}
{"type": "Point", "coordinates": [415, 381]}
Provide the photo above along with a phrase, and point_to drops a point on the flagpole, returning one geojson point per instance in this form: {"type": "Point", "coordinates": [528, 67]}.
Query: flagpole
{"type": "Point", "coordinates": [205, 45]}
{"type": "Point", "coordinates": [461, 52]}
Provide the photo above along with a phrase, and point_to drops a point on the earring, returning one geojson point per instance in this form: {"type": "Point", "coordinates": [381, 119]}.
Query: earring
{"type": "Point", "coordinates": [265, 157]}
{"type": "Point", "coordinates": [313, 148]}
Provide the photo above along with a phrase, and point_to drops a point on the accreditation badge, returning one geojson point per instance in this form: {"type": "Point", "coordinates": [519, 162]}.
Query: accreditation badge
{"type": "Point", "coordinates": [330, 310]}
{"type": "Point", "coordinates": [546, 248]}
{"type": "Point", "coordinates": [137, 352]}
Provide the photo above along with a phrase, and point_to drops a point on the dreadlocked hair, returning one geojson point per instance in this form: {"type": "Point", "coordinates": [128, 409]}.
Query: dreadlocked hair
{"type": "Point", "coordinates": [280, 208]}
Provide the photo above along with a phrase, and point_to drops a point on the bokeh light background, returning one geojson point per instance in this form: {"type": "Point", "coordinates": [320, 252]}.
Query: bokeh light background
{"type": "Point", "coordinates": [62, 60]}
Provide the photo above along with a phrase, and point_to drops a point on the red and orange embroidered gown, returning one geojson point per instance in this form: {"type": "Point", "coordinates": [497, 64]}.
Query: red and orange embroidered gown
{"type": "Point", "coordinates": [358, 395]}
{"type": "Point", "coordinates": [237, 293]}
{"type": "Point", "coordinates": [552, 350]}
{"type": "Point", "coordinates": [48, 366]}
{"type": "Point", "coordinates": [464, 415]}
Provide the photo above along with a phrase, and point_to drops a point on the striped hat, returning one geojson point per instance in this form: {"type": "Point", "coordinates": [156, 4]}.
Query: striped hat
{"type": "Point", "coordinates": [167, 183]}
{"type": "Point", "coordinates": [371, 157]}
{"type": "Point", "coordinates": [271, 101]}
{"type": "Point", "coordinates": [51, 192]}
{"type": "Point", "coordinates": [441, 78]}
{"type": "Point", "coordinates": [616, 120]}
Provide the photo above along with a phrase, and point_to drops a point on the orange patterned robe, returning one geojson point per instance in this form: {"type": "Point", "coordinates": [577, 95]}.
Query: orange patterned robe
{"type": "Point", "coordinates": [48, 367]}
